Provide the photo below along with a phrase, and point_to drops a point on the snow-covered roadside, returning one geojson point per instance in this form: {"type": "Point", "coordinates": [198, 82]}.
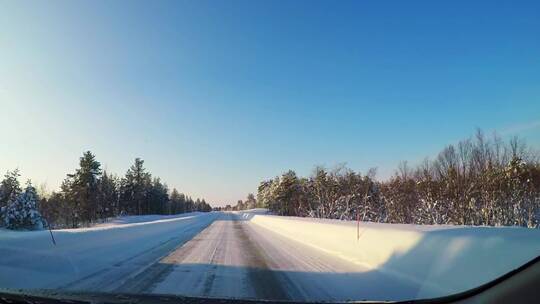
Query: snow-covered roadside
{"type": "Point", "coordinates": [30, 260]}
{"type": "Point", "coordinates": [441, 259]}
{"type": "Point", "coordinates": [134, 220]}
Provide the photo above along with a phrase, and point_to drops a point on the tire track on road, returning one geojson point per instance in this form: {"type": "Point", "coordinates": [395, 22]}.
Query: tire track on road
{"type": "Point", "coordinates": [220, 261]}
{"type": "Point", "coordinates": [263, 280]}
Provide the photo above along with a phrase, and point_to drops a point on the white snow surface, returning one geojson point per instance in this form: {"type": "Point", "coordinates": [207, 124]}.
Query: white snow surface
{"type": "Point", "coordinates": [301, 258]}
{"type": "Point", "coordinates": [441, 259]}
{"type": "Point", "coordinates": [30, 260]}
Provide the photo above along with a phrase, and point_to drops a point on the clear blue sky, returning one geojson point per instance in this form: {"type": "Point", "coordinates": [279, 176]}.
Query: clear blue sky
{"type": "Point", "coordinates": [217, 95]}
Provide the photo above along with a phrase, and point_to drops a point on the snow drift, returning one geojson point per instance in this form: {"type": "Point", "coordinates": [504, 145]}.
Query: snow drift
{"type": "Point", "coordinates": [441, 259]}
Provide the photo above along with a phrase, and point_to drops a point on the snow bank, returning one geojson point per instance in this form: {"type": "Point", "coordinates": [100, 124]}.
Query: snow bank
{"type": "Point", "coordinates": [441, 259]}
{"type": "Point", "coordinates": [253, 211]}
{"type": "Point", "coordinates": [141, 219]}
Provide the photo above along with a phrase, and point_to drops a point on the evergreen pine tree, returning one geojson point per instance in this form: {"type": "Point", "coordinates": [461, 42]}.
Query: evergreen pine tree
{"type": "Point", "coordinates": [135, 187]}
{"type": "Point", "coordinates": [84, 187]}
{"type": "Point", "coordinates": [9, 187]}
{"type": "Point", "coordinates": [22, 212]}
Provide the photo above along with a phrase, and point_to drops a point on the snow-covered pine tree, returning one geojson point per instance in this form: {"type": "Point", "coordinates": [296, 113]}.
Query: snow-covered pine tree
{"type": "Point", "coordinates": [9, 189]}
{"type": "Point", "coordinates": [22, 212]}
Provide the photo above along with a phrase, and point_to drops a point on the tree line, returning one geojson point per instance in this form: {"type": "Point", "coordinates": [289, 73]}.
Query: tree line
{"type": "Point", "coordinates": [91, 194]}
{"type": "Point", "coordinates": [479, 181]}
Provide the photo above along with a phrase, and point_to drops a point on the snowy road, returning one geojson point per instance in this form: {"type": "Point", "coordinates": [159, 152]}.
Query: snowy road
{"type": "Point", "coordinates": [234, 258]}
{"type": "Point", "coordinates": [93, 259]}
{"type": "Point", "coordinates": [214, 254]}
{"type": "Point", "coordinates": [245, 255]}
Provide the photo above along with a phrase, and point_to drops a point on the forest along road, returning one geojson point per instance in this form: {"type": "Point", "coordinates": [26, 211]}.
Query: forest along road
{"type": "Point", "coordinates": [234, 258]}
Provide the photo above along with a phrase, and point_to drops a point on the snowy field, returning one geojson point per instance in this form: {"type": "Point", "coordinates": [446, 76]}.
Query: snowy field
{"type": "Point", "coordinates": [254, 255]}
